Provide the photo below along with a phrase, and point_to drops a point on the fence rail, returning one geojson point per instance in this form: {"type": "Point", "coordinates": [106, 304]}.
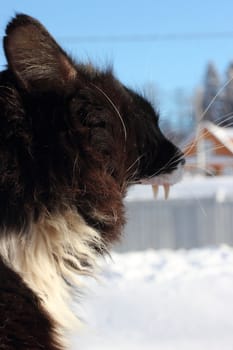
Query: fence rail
{"type": "Point", "coordinates": [176, 224]}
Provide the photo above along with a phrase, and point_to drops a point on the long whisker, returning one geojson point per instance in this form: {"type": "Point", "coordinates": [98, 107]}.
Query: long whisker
{"type": "Point", "coordinates": [167, 164]}
{"type": "Point", "coordinates": [207, 170]}
{"type": "Point", "coordinates": [215, 97]}
{"type": "Point", "coordinates": [171, 160]}
{"type": "Point", "coordinates": [224, 118]}
{"type": "Point", "coordinates": [222, 121]}
{"type": "Point", "coordinates": [115, 109]}
{"type": "Point", "coordinates": [135, 162]}
{"type": "Point", "coordinates": [199, 137]}
{"type": "Point", "coordinates": [194, 144]}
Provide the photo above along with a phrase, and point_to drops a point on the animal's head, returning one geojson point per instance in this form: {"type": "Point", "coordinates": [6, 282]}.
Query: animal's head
{"type": "Point", "coordinates": [89, 136]}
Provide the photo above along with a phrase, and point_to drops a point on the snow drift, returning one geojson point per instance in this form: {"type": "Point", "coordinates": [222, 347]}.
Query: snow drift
{"type": "Point", "coordinates": [161, 300]}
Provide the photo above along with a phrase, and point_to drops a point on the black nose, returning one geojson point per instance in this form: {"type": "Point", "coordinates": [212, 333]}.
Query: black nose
{"type": "Point", "coordinates": [182, 161]}
{"type": "Point", "coordinates": [179, 160]}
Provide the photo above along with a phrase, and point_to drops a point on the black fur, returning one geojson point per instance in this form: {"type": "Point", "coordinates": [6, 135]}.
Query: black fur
{"type": "Point", "coordinates": [24, 325]}
{"type": "Point", "coordinates": [71, 136]}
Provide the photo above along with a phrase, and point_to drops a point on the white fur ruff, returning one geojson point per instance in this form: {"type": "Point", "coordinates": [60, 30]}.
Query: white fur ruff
{"type": "Point", "coordinates": [55, 250]}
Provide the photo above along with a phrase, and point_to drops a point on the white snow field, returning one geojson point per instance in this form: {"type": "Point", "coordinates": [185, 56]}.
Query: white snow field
{"type": "Point", "coordinates": [160, 300]}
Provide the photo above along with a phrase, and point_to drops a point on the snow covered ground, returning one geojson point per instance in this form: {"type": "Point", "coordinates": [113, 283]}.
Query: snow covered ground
{"type": "Point", "coordinates": [161, 300]}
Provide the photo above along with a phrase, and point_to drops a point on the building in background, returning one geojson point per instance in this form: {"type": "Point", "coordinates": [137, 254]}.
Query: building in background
{"type": "Point", "coordinates": [209, 150]}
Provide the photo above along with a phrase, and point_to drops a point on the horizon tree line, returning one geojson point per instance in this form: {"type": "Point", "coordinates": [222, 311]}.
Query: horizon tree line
{"type": "Point", "coordinates": [214, 101]}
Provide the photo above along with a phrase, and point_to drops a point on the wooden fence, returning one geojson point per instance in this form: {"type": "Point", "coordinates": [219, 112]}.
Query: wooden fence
{"type": "Point", "coordinates": [176, 224]}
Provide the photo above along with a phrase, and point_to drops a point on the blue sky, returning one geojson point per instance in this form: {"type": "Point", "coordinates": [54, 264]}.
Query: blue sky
{"type": "Point", "coordinates": [168, 64]}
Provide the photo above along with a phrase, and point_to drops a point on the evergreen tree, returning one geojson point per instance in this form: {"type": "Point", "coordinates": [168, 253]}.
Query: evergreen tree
{"type": "Point", "coordinates": [227, 114]}
{"type": "Point", "coordinates": [211, 107]}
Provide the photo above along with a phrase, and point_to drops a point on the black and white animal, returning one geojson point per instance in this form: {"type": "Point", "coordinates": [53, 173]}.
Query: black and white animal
{"type": "Point", "coordinates": [72, 139]}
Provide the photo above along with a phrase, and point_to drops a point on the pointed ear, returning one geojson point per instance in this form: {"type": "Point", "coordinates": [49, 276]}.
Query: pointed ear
{"type": "Point", "coordinates": [35, 58]}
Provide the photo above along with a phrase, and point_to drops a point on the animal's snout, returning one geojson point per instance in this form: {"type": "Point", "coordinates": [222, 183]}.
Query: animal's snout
{"type": "Point", "coordinates": [177, 160]}
{"type": "Point", "coordinates": [169, 158]}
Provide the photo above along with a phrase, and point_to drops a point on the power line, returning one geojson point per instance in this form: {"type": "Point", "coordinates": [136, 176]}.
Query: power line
{"type": "Point", "coordinates": [137, 38]}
